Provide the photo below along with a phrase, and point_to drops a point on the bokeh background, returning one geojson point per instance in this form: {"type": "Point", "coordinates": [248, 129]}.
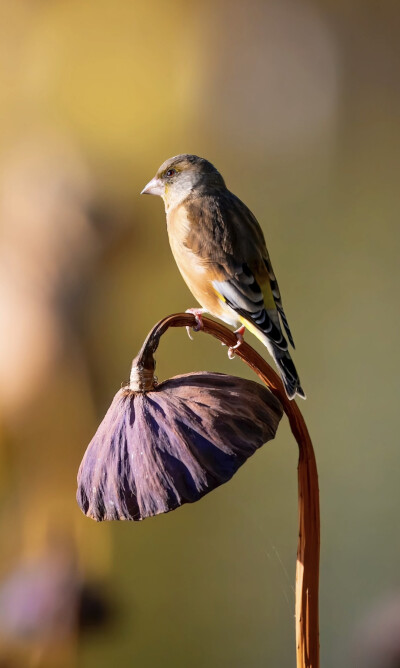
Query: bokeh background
{"type": "Point", "coordinates": [298, 104]}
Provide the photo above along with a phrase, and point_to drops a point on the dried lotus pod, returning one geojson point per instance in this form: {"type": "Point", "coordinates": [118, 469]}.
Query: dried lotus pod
{"type": "Point", "coordinates": [170, 445]}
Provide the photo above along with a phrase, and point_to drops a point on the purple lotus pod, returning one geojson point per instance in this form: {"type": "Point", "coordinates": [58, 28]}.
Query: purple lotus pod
{"type": "Point", "coordinates": [159, 448]}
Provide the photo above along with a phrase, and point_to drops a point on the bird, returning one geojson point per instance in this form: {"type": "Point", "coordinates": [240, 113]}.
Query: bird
{"type": "Point", "coordinates": [220, 251]}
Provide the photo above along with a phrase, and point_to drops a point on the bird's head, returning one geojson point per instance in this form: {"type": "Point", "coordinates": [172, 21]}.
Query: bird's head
{"type": "Point", "coordinates": [180, 176]}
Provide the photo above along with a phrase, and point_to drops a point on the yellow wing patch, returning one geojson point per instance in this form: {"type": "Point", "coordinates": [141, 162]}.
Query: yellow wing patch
{"type": "Point", "coordinates": [253, 329]}
{"type": "Point", "coordinates": [269, 300]}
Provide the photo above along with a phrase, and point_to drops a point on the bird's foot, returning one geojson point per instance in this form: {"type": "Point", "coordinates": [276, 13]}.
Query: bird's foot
{"type": "Point", "coordinates": [197, 312]}
{"type": "Point", "coordinates": [239, 335]}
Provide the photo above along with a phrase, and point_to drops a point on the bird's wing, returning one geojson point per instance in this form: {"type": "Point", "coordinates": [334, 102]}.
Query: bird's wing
{"type": "Point", "coordinates": [227, 237]}
{"type": "Point", "coordinates": [277, 298]}
{"type": "Point", "coordinates": [252, 302]}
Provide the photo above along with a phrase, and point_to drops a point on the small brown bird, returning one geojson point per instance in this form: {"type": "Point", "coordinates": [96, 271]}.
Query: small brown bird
{"type": "Point", "coordinates": [220, 251]}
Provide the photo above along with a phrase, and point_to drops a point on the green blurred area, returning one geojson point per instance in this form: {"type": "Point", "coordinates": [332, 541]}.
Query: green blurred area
{"type": "Point", "coordinates": [298, 105]}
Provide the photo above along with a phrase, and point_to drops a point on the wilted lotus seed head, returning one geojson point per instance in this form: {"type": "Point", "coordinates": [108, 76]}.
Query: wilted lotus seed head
{"type": "Point", "coordinates": [163, 445]}
{"type": "Point", "coordinates": [157, 450]}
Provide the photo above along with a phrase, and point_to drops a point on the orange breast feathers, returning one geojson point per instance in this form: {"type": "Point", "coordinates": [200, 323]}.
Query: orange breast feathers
{"type": "Point", "coordinates": [196, 271]}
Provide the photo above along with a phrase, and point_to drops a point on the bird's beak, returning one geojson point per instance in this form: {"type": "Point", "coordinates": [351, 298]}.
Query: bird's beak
{"type": "Point", "coordinates": [154, 187]}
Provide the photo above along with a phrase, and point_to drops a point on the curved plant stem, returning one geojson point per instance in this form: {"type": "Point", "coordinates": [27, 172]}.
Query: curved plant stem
{"type": "Point", "coordinates": [307, 567]}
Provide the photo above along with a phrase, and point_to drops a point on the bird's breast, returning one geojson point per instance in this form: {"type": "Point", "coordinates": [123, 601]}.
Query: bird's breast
{"type": "Point", "coordinates": [189, 263]}
{"type": "Point", "coordinates": [197, 272]}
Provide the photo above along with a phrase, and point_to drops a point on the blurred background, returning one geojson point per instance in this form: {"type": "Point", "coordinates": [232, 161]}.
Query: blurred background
{"type": "Point", "coordinates": [298, 105]}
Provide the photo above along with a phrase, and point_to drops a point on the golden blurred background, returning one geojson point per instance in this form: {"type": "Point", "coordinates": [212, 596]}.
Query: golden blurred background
{"type": "Point", "coordinates": [298, 105]}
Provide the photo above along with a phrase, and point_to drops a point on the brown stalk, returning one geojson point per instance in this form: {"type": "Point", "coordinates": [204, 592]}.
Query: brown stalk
{"type": "Point", "coordinates": [307, 567]}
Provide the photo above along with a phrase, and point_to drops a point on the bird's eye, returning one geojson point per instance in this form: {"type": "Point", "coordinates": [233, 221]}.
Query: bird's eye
{"type": "Point", "coordinates": [170, 172]}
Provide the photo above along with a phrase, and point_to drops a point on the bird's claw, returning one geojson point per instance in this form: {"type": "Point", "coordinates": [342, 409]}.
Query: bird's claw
{"type": "Point", "coordinates": [197, 312]}
{"type": "Point", "coordinates": [231, 350]}
{"type": "Point", "coordinates": [239, 335]}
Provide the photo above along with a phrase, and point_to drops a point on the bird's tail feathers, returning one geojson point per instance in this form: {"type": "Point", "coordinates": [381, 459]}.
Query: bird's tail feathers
{"type": "Point", "coordinates": [286, 368]}
{"type": "Point", "coordinates": [288, 373]}
{"type": "Point", "coordinates": [282, 359]}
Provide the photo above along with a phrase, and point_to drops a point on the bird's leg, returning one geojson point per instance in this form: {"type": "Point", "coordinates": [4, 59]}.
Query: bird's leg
{"type": "Point", "coordinates": [239, 335]}
{"type": "Point", "coordinates": [197, 312]}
